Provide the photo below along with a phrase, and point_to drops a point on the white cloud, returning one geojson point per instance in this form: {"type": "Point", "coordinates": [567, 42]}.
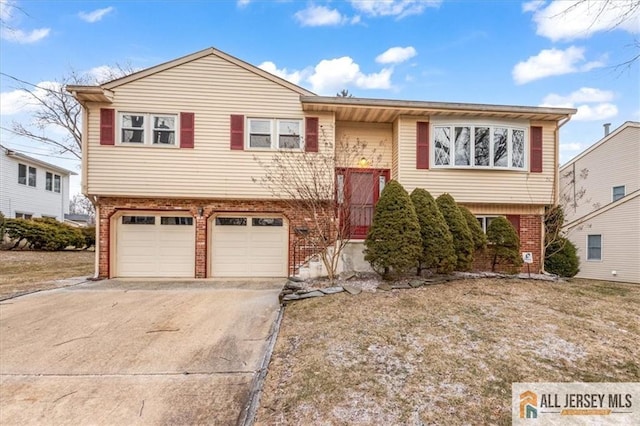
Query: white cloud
{"type": "Point", "coordinates": [584, 94]}
{"type": "Point", "coordinates": [570, 20]}
{"type": "Point", "coordinates": [571, 146]}
{"type": "Point", "coordinates": [331, 75]}
{"type": "Point", "coordinates": [95, 15]}
{"type": "Point", "coordinates": [20, 101]}
{"type": "Point", "coordinates": [553, 62]}
{"type": "Point", "coordinates": [398, 8]}
{"type": "Point", "coordinates": [396, 55]}
{"type": "Point", "coordinates": [532, 6]}
{"type": "Point", "coordinates": [10, 30]}
{"type": "Point", "coordinates": [293, 76]}
{"type": "Point", "coordinates": [243, 3]}
{"type": "Point", "coordinates": [104, 73]}
{"type": "Point", "coordinates": [318, 16]}
{"type": "Point", "coordinates": [592, 104]}
{"type": "Point", "coordinates": [598, 112]}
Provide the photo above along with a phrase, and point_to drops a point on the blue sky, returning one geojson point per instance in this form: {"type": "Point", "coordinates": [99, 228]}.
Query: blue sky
{"type": "Point", "coordinates": [496, 52]}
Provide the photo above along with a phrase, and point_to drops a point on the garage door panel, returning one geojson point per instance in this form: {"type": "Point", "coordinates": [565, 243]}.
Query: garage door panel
{"type": "Point", "coordinates": [165, 248]}
{"type": "Point", "coordinates": [249, 251]}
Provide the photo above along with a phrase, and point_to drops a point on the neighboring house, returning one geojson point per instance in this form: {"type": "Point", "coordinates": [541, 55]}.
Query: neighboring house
{"type": "Point", "coordinates": [170, 157]}
{"type": "Point", "coordinates": [604, 222]}
{"type": "Point", "coordinates": [77, 220]}
{"type": "Point", "coordinates": [32, 188]}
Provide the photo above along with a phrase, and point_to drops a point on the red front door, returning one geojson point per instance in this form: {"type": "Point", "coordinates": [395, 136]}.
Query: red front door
{"type": "Point", "coordinates": [358, 191]}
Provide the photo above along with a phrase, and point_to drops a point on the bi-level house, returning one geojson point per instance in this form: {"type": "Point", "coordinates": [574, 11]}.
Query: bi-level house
{"type": "Point", "coordinates": [170, 158]}
{"type": "Point", "coordinates": [32, 188]}
{"type": "Point", "coordinates": [601, 189]}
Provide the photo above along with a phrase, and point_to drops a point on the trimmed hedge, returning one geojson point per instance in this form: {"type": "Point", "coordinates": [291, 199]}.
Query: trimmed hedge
{"type": "Point", "coordinates": [462, 239]}
{"type": "Point", "coordinates": [562, 258]}
{"type": "Point", "coordinates": [393, 242]}
{"type": "Point", "coordinates": [505, 244]}
{"type": "Point", "coordinates": [477, 234]}
{"type": "Point", "coordinates": [45, 234]}
{"type": "Point", "coordinates": [438, 252]}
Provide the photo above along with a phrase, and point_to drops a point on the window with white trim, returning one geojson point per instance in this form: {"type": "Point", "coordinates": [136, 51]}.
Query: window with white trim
{"type": "Point", "coordinates": [618, 192]}
{"type": "Point", "coordinates": [52, 182]}
{"type": "Point", "coordinates": [594, 247]}
{"type": "Point", "coordinates": [485, 221]}
{"type": "Point", "coordinates": [148, 129]}
{"type": "Point", "coordinates": [23, 215]}
{"type": "Point", "coordinates": [479, 146]}
{"type": "Point", "coordinates": [265, 133]}
{"type": "Point", "coordinates": [26, 175]}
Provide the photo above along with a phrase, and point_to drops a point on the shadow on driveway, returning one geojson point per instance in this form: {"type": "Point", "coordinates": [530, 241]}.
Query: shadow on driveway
{"type": "Point", "coordinates": [134, 352]}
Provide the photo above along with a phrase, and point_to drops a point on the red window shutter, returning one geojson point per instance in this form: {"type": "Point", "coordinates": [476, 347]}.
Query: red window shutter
{"type": "Point", "coordinates": [422, 145]}
{"type": "Point", "coordinates": [536, 149]}
{"type": "Point", "coordinates": [187, 129]}
{"type": "Point", "coordinates": [311, 134]}
{"type": "Point", "coordinates": [515, 221]}
{"type": "Point", "coordinates": [107, 126]}
{"type": "Point", "coordinates": [237, 132]}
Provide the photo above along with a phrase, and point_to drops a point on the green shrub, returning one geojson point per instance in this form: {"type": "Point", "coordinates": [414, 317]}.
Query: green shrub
{"type": "Point", "coordinates": [44, 234]}
{"type": "Point", "coordinates": [562, 258]}
{"type": "Point", "coordinates": [505, 244]}
{"type": "Point", "coordinates": [3, 227]}
{"type": "Point", "coordinates": [462, 239]}
{"type": "Point", "coordinates": [393, 243]}
{"type": "Point", "coordinates": [477, 234]}
{"type": "Point", "coordinates": [438, 252]}
{"type": "Point", "coordinates": [89, 234]}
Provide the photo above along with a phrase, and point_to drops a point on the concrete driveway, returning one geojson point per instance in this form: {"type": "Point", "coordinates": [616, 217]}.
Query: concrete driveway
{"type": "Point", "coordinates": [134, 352]}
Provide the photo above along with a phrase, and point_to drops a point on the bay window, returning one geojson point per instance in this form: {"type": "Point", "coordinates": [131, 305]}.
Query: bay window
{"type": "Point", "coordinates": [479, 146]}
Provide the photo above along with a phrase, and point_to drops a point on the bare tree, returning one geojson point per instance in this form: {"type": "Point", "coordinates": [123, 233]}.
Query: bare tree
{"type": "Point", "coordinates": [80, 204]}
{"type": "Point", "coordinates": [55, 108]}
{"type": "Point", "coordinates": [344, 93]}
{"type": "Point", "coordinates": [306, 183]}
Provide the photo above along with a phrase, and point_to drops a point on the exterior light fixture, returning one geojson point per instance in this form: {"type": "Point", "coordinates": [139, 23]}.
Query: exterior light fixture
{"type": "Point", "coordinates": [200, 211]}
{"type": "Point", "coordinates": [363, 162]}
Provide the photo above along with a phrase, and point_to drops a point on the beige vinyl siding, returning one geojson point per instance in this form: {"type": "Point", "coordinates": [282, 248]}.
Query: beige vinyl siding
{"type": "Point", "coordinates": [613, 163]}
{"type": "Point", "coordinates": [505, 209]}
{"type": "Point", "coordinates": [474, 185]}
{"type": "Point", "coordinates": [212, 88]}
{"type": "Point", "coordinates": [394, 152]}
{"type": "Point", "coordinates": [376, 138]}
{"type": "Point", "coordinates": [620, 230]}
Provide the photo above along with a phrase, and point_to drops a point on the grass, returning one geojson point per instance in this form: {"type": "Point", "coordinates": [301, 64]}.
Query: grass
{"type": "Point", "coordinates": [27, 271]}
{"type": "Point", "coordinates": [446, 354]}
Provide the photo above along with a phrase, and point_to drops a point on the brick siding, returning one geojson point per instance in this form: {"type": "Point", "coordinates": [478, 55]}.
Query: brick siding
{"type": "Point", "coordinates": [530, 241]}
{"type": "Point", "coordinates": [110, 206]}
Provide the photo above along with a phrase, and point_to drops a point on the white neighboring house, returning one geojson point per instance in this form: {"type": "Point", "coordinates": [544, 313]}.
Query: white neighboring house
{"type": "Point", "coordinates": [605, 223]}
{"type": "Point", "coordinates": [32, 188]}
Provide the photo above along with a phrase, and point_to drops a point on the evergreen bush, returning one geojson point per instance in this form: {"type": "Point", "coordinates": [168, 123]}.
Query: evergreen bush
{"type": "Point", "coordinates": [393, 243]}
{"type": "Point", "coordinates": [44, 234]}
{"type": "Point", "coordinates": [462, 239]}
{"type": "Point", "coordinates": [505, 244]}
{"type": "Point", "coordinates": [477, 234]}
{"type": "Point", "coordinates": [562, 258]}
{"type": "Point", "coordinates": [438, 252]}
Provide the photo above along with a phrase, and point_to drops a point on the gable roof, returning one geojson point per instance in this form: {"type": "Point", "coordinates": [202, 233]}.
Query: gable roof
{"type": "Point", "coordinates": [17, 155]}
{"type": "Point", "coordinates": [103, 92]}
{"type": "Point", "coordinates": [603, 209]}
{"type": "Point", "coordinates": [601, 142]}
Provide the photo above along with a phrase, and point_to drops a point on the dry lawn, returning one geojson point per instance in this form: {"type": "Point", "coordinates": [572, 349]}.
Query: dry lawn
{"type": "Point", "coordinates": [447, 353]}
{"type": "Point", "coordinates": [27, 271]}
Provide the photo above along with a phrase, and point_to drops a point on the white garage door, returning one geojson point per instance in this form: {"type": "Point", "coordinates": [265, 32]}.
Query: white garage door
{"type": "Point", "coordinates": [155, 246]}
{"type": "Point", "coordinates": [246, 246]}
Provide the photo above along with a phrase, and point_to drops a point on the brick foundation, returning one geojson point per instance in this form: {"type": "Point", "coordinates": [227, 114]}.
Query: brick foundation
{"type": "Point", "coordinates": [110, 206]}
{"type": "Point", "coordinates": [530, 240]}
